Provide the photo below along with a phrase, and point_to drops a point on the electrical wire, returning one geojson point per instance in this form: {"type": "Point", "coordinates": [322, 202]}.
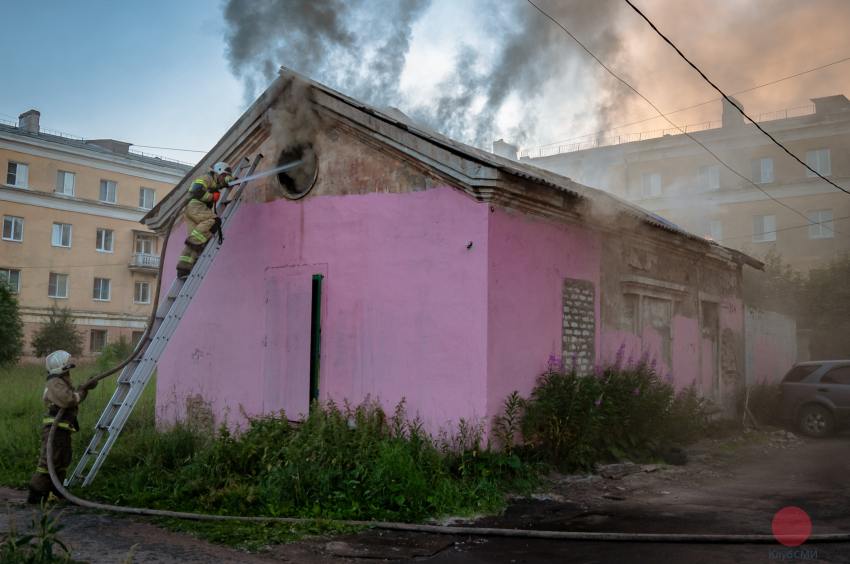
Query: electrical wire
{"type": "Point", "coordinates": [663, 115]}
{"type": "Point", "coordinates": [737, 237]}
{"type": "Point", "coordinates": [728, 99]}
{"type": "Point", "coordinates": [703, 103]}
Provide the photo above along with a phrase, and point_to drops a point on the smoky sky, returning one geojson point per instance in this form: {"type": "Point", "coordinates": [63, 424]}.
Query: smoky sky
{"type": "Point", "coordinates": [554, 89]}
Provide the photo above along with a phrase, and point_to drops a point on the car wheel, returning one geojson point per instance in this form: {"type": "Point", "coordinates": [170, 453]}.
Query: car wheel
{"type": "Point", "coordinates": [816, 421]}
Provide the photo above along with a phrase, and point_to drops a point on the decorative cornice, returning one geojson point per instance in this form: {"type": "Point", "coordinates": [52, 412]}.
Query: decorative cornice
{"type": "Point", "coordinates": [68, 203]}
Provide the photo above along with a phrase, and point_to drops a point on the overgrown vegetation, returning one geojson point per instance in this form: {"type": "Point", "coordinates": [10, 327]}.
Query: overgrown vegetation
{"type": "Point", "coordinates": [40, 546]}
{"type": "Point", "coordinates": [11, 326]}
{"type": "Point", "coordinates": [763, 402]}
{"type": "Point", "coordinates": [819, 301]}
{"type": "Point", "coordinates": [114, 353]}
{"type": "Point", "coordinates": [574, 422]}
{"type": "Point", "coordinates": [59, 332]}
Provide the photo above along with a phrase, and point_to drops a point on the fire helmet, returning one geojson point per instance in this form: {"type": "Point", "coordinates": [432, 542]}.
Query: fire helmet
{"type": "Point", "coordinates": [58, 362]}
{"type": "Point", "coordinates": [221, 167]}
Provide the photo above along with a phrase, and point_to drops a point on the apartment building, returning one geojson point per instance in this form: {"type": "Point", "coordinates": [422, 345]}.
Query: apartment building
{"type": "Point", "coordinates": [71, 236]}
{"type": "Point", "coordinates": [669, 174]}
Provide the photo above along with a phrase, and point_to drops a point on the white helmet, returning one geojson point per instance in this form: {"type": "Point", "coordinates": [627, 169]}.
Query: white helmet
{"type": "Point", "coordinates": [57, 362]}
{"type": "Point", "coordinates": [221, 167]}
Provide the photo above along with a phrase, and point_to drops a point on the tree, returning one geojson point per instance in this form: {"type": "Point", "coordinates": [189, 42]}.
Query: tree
{"type": "Point", "coordinates": [828, 309]}
{"type": "Point", "coordinates": [11, 327]}
{"type": "Point", "coordinates": [58, 333]}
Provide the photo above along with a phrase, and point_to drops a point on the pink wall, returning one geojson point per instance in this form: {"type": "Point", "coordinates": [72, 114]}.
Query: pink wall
{"type": "Point", "coordinates": [404, 311]}
{"type": "Point", "coordinates": [529, 260]}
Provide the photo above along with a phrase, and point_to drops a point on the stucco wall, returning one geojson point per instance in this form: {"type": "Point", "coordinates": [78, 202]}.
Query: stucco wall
{"type": "Point", "coordinates": [404, 312]}
{"type": "Point", "coordinates": [529, 258]}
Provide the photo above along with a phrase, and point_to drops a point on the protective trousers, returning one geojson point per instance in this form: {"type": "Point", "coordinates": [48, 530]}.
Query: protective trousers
{"type": "Point", "coordinates": [40, 484]}
{"type": "Point", "coordinates": [199, 221]}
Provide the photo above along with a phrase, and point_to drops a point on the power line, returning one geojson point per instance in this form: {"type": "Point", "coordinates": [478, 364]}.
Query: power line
{"type": "Point", "coordinates": [704, 102]}
{"type": "Point", "coordinates": [728, 99]}
{"type": "Point", "coordinates": [660, 113]}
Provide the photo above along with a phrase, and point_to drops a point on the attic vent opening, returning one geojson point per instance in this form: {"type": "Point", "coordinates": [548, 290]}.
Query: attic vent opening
{"type": "Point", "coordinates": [297, 182]}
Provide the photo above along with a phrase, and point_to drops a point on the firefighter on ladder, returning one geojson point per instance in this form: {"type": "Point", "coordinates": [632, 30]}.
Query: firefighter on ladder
{"type": "Point", "coordinates": [58, 394]}
{"type": "Point", "coordinates": [201, 220]}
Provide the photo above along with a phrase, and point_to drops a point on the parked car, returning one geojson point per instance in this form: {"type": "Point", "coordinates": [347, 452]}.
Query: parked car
{"type": "Point", "coordinates": [815, 396]}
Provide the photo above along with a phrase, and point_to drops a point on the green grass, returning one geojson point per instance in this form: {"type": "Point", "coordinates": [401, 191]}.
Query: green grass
{"type": "Point", "coordinates": [343, 462]}
{"type": "Point", "coordinates": [21, 411]}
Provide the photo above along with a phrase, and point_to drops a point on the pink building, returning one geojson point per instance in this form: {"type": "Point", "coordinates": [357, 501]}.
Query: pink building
{"type": "Point", "coordinates": [398, 263]}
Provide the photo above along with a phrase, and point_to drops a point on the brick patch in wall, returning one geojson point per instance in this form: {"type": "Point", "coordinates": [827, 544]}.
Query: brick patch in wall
{"type": "Point", "coordinates": [579, 333]}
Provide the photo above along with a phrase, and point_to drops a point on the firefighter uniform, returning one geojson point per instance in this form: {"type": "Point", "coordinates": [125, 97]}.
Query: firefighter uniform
{"type": "Point", "coordinates": [58, 393]}
{"type": "Point", "coordinates": [200, 219]}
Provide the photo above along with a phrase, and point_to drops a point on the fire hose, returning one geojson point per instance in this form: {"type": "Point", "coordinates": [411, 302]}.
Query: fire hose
{"type": "Point", "coordinates": [385, 525]}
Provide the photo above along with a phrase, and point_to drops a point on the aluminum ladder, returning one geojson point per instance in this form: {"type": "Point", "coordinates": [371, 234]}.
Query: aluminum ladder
{"type": "Point", "coordinates": [135, 376]}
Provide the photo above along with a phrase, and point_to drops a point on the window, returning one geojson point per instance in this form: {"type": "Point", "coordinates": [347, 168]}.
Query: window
{"type": "Point", "coordinates": [57, 285]}
{"type": "Point", "coordinates": [709, 177]}
{"type": "Point", "coordinates": [97, 342]}
{"type": "Point", "coordinates": [146, 198]}
{"type": "Point", "coordinates": [13, 228]}
{"type": "Point", "coordinates": [800, 373]}
{"type": "Point", "coordinates": [145, 245]}
{"type": "Point", "coordinates": [65, 182]}
{"type": "Point", "coordinates": [136, 337]}
{"type": "Point", "coordinates": [17, 175]}
{"type": "Point", "coordinates": [838, 375]}
{"type": "Point", "coordinates": [105, 240]}
{"type": "Point", "coordinates": [819, 160]}
{"type": "Point", "coordinates": [650, 184]}
{"type": "Point", "coordinates": [629, 314]}
{"type": "Point", "coordinates": [821, 226]}
{"type": "Point", "coordinates": [12, 278]}
{"type": "Point", "coordinates": [61, 235]}
{"type": "Point", "coordinates": [763, 170]}
{"type": "Point", "coordinates": [107, 191]}
{"type": "Point", "coordinates": [102, 287]}
{"type": "Point", "coordinates": [764, 228]}
{"type": "Point", "coordinates": [715, 230]}
{"type": "Point", "coordinates": [142, 295]}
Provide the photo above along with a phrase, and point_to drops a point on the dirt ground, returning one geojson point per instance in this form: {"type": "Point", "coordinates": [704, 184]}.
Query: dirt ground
{"type": "Point", "coordinates": [728, 486]}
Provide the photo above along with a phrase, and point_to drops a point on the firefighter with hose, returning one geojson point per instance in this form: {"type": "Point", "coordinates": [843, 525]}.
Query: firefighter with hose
{"type": "Point", "coordinates": [201, 221]}
{"type": "Point", "coordinates": [58, 394]}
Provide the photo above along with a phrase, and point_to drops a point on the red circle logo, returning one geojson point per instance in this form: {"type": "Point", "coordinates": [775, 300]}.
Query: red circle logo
{"type": "Point", "coordinates": [791, 526]}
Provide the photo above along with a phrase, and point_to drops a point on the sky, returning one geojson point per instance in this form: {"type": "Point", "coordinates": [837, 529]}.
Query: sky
{"type": "Point", "coordinates": [178, 74]}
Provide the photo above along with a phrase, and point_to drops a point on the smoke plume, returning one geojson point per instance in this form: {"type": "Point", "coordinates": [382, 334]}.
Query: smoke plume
{"type": "Point", "coordinates": [515, 74]}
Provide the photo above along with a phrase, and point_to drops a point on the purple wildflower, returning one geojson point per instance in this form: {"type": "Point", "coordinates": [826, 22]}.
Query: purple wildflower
{"type": "Point", "coordinates": [630, 363]}
{"type": "Point", "coordinates": [636, 392]}
{"type": "Point", "coordinates": [644, 359]}
{"type": "Point", "coordinates": [599, 372]}
{"type": "Point", "coordinates": [669, 377]}
{"type": "Point", "coordinates": [555, 364]}
{"type": "Point", "coordinates": [618, 362]}
{"type": "Point", "coordinates": [653, 364]}
{"type": "Point", "coordinates": [598, 401]}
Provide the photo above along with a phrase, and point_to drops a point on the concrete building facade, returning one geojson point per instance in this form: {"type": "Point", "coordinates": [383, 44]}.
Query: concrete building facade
{"type": "Point", "coordinates": [71, 238]}
{"type": "Point", "coordinates": [671, 175]}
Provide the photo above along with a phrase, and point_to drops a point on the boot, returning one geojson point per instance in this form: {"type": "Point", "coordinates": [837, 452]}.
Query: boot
{"type": "Point", "coordinates": [183, 269]}
{"type": "Point", "coordinates": [35, 497]}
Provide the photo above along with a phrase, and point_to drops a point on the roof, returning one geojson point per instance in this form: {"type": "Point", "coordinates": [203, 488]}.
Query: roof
{"type": "Point", "coordinates": [474, 166]}
{"type": "Point", "coordinates": [83, 144]}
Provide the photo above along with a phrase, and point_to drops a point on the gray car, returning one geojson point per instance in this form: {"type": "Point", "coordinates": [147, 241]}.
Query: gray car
{"type": "Point", "coordinates": [815, 396]}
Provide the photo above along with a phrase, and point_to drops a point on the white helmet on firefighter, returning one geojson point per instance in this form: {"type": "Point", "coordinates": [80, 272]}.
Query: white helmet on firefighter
{"type": "Point", "coordinates": [58, 362]}
{"type": "Point", "coordinates": [221, 167]}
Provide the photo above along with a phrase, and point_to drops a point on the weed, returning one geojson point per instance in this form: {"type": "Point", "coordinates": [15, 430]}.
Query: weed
{"type": "Point", "coordinates": [41, 546]}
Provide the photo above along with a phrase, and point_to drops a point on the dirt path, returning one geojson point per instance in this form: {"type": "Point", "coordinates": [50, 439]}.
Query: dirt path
{"type": "Point", "coordinates": [727, 487]}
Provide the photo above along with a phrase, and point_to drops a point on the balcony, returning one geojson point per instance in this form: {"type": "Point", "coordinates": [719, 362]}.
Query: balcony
{"type": "Point", "coordinates": [144, 262]}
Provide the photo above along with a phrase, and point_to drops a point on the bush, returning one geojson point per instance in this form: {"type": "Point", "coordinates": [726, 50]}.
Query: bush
{"type": "Point", "coordinates": [574, 421]}
{"type": "Point", "coordinates": [11, 327]}
{"type": "Point", "coordinates": [114, 353]}
{"type": "Point", "coordinates": [340, 462]}
{"type": "Point", "coordinates": [764, 403]}
{"type": "Point", "coordinates": [58, 333]}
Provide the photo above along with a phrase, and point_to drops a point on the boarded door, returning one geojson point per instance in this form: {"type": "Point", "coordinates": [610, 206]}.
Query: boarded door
{"type": "Point", "coordinates": [286, 366]}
